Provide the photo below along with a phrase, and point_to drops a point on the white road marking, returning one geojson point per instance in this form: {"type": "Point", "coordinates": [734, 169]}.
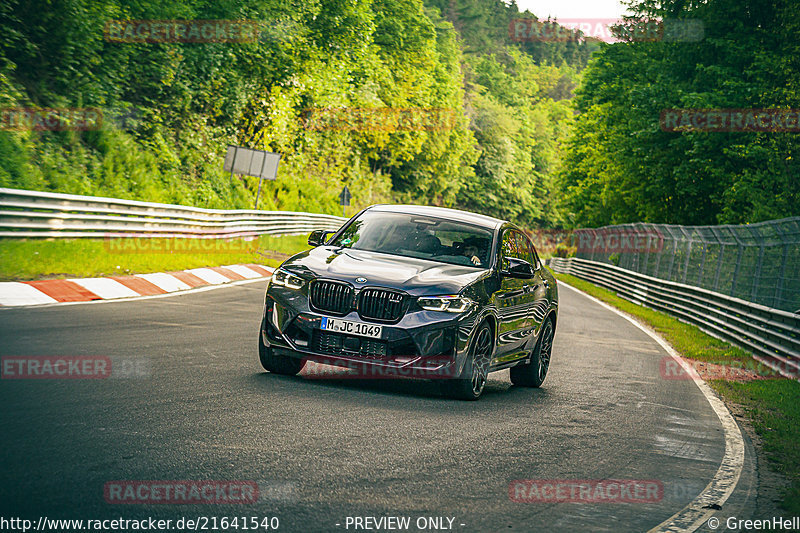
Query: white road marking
{"type": "Point", "coordinates": [105, 287]}
{"type": "Point", "coordinates": [15, 293]}
{"type": "Point", "coordinates": [721, 486]}
{"type": "Point", "coordinates": [209, 276]}
{"type": "Point", "coordinates": [165, 282]}
{"type": "Point", "coordinates": [150, 297]}
{"type": "Point", "coordinates": [243, 271]}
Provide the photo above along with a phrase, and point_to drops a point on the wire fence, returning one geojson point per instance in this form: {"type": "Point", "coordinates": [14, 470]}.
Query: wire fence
{"type": "Point", "coordinates": [759, 263]}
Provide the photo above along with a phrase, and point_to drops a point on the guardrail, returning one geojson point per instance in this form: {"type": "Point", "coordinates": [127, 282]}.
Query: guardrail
{"type": "Point", "coordinates": [772, 335]}
{"type": "Point", "coordinates": [43, 214]}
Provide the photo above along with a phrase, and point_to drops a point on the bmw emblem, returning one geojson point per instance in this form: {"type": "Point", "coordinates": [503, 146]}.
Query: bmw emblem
{"type": "Point", "coordinates": [361, 280]}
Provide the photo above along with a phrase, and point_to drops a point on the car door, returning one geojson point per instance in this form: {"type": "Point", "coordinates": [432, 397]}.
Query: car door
{"type": "Point", "coordinates": [513, 301]}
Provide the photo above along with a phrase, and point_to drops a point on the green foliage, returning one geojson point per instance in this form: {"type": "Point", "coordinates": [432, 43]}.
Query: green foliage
{"type": "Point", "coordinates": [170, 109]}
{"type": "Point", "coordinates": [619, 166]}
{"type": "Point", "coordinates": [518, 126]}
{"type": "Point", "coordinates": [564, 251]}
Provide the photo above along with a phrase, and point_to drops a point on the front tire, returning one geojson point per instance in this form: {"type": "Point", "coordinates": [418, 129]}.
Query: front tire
{"type": "Point", "coordinates": [533, 374]}
{"type": "Point", "coordinates": [473, 378]}
{"type": "Point", "coordinates": [277, 364]}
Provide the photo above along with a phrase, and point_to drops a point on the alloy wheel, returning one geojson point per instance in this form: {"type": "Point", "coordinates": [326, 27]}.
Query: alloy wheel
{"type": "Point", "coordinates": [545, 350]}
{"type": "Point", "coordinates": [480, 360]}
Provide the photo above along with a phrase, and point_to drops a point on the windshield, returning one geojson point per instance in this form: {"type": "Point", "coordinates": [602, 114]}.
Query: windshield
{"type": "Point", "coordinates": [419, 236]}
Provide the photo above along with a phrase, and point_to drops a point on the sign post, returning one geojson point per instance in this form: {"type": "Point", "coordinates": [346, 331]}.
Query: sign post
{"type": "Point", "coordinates": [344, 199]}
{"type": "Point", "coordinates": [247, 162]}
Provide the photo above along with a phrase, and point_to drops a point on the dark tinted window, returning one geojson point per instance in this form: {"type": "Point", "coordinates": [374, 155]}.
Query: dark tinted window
{"type": "Point", "coordinates": [419, 236]}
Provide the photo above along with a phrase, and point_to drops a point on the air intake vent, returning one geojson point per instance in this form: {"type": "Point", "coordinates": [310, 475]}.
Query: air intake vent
{"type": "Point", "coordinates": [332, 297]}
{"type": "Point", "coordinates": [378, 304]}
{"type": "Point", "coordinates": [337, 344]}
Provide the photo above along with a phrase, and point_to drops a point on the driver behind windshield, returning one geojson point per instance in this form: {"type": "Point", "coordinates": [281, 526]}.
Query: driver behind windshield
{"type": "Point", "coordinates": [473, 248]}
{"type": "Point", "coordinates": [471, 251]}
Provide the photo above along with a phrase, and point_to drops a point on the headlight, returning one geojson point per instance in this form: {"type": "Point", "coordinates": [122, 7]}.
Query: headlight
{"type": "Point", "coordinates": [447, 304]}
{"type": "Point", "coordinates": [282, 278]}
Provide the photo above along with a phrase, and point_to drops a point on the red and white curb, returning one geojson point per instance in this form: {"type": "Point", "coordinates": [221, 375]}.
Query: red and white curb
{"type": "Point", "coordinates": [52, 291]}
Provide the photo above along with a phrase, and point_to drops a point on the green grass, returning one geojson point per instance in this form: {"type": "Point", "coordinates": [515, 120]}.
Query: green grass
{"type": "Point", "coordinates": [30, 259]}
{"type": "Point", "coordinates": [772, 405]}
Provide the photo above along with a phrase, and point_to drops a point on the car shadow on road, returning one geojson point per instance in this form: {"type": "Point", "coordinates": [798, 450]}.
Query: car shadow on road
{"type": "Point", "coordinates": [496, 391]}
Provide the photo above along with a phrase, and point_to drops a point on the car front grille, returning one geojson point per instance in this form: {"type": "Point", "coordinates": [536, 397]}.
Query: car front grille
{"type": "Point", "coordinates": [332, 343]}
{"type": "Point", "coordinates": [378, 304]}
{"type": "Point", "coordinates": [331, 297]}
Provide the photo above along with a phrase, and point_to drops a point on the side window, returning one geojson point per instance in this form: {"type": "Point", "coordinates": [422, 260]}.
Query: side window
{"type": "Point", "coordinates": [506, 247]}
{"type": "Point", "coordinates": [514, 245]}
{"type": "Point", "coordinates": [534, 261]}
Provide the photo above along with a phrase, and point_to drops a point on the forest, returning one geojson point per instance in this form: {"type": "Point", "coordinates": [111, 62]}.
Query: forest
{"type": "Point", "coordinates": [416, 101]}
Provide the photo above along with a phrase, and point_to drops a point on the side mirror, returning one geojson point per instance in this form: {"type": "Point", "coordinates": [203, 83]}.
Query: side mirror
{"type": "Point", "coordinates": [318, 237]}
{"type": "Point", "coordinates": [517, 268]}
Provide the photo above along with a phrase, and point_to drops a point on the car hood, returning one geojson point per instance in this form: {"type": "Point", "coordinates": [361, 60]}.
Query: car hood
{"type": "Point", "coordinates": [415, 276]}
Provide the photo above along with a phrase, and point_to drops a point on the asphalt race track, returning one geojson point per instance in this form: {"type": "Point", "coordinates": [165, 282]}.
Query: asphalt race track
{"type": "Point", "coordinates": [194, 404]}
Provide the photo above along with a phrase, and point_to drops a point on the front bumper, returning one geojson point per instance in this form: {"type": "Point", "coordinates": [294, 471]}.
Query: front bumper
{"type": "Point", "coordinates": [424, 344]}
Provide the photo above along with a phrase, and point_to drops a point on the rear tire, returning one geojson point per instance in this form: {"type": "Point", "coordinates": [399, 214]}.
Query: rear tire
{"type": "Point", "coordinates": [469, 386]}
{"type": "Point", "coordinates": [533, 374]}
{"type": "Point", "coordinates": [277, 364]}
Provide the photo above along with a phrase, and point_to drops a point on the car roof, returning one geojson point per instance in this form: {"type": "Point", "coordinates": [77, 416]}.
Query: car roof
{"type": "Point", "coordinates": [440, 212]}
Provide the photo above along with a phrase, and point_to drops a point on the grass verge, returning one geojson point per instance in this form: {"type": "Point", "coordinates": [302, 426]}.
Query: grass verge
{"type": "Point", "coordinates": [30, 259]}
{"type": "Point", "coordinates": [772, 405]}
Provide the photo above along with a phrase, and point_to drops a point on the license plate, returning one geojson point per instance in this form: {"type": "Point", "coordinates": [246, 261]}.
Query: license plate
{"type": "Point", "coordinates": [351, 328]}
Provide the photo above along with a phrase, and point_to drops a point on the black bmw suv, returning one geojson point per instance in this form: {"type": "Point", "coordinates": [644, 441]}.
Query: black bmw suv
{"type": "Point", "coordinates": [414, 291]}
